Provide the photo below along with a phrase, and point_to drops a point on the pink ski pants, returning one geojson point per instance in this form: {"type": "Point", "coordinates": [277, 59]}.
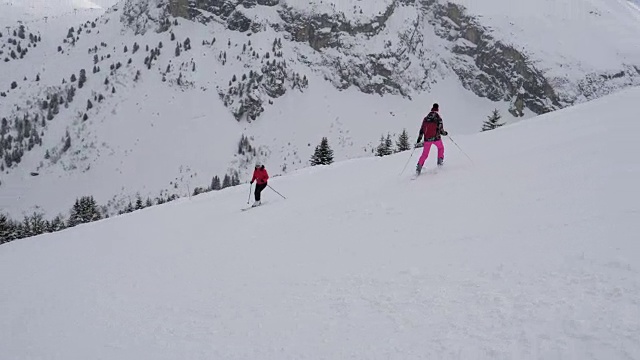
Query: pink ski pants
{"type": "Point", "coordinates": [427, 148]}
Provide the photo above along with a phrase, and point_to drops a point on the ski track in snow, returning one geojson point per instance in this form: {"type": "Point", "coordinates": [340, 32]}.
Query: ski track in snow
{"type": "Point", "coordinates": [530, 252]}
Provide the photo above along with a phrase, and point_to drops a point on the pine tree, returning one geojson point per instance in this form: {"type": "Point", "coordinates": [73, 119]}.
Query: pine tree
{"type": "Point", "coordinates": [380, 150]}
{"type": "Point", "coordinates": [226, 182]}
{"type": "Point", "coordinates": [37, 224]}
{"type": "Point", "coordinates": [6, 229]}
{"type": "Point", "coordinates": [57, 224]}
{"type": "Point", "coordinates": [25, 229]}
{"type": "Point", "coordinates": [82, 79]}
{"type": "Point", "coordinates": [388, 144]}
{"type": "Point", "coordinates": [74, 214]}
{"type": "Point", "coordinates": [493, 121]}
{"type": "Point", "coordinates": [323, 154]}
{"type": "Point", "coordinates": [83, 211]}
{"type": "Point", "coordinates": [385, 147]}
{"type": "Point", "coordinates": [139, 204]}
{"type": "Point", "coordinates": [403, 142]}
{"type": "Point", "coordinates": [148, 202]}
{"type": "Point", "coordinates": [215, 183]}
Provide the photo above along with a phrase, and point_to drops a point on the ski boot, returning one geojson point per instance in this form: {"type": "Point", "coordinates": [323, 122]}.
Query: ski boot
{"type": "Point", "coordinates": [418, 169]}
{"type": "Point", "coordinates": [440, 161]}
{"type": "Point", "coordinates": [257, 203]}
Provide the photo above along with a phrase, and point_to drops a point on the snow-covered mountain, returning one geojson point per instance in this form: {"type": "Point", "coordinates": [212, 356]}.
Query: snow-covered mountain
{"type": "Point", "coordinates": [14, 10]}
{"type": "Point", "coordinates": [529, 252]}
{"type": "Point", "coordinates": [175, 92]}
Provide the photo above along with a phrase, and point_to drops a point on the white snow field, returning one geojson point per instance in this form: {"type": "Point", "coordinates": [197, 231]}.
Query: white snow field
{"type": "Point", "coordinates": [39, 8]}
{"type": "Point", "coordinates": [529, 252]}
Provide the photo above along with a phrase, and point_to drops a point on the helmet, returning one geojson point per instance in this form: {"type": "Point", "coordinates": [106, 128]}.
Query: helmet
{"type": "Point", "coordinates": [258, 164]}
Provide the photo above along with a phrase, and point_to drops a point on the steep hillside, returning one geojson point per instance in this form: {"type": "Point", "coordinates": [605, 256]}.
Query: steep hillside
{"type": "Point", "coordinates": [529, 252]}
{"type": "Point", "coordinates": [155, 98]}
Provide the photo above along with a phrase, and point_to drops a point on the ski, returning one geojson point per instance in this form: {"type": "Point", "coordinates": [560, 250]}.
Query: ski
{"type": "Point", "coordinates": [253, 207]}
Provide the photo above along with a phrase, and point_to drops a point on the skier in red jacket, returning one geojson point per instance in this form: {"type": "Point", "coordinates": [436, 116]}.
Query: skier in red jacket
{"type": "Point", "coordinates": [260, 176]}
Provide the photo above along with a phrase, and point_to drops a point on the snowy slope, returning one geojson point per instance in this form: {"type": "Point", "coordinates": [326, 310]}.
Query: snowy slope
{"type": "Point", "coordinates": [530, 252]}
{"type": "Point", "coordinates": [155, 136]}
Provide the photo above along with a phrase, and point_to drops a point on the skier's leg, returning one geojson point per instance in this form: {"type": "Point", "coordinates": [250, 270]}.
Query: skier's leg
{"type": "Point", "coordinates": [425, 153]}
{"type": "Point", "coordinates": [440, 147]}
{"type": "Point", "coordinates": [257, 192]}
{"type": "Point", "coordinates": [259, 188]}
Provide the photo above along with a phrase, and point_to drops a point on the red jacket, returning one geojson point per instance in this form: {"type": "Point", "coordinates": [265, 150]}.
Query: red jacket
{"type": "Point", "coordinates": [260, 175]}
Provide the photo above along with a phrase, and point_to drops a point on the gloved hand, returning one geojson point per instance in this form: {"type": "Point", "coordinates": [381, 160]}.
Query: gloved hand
{"type": "Point", "coordinates": [445, 133]}
{"type": "Point", "coordinates": [251, 182]}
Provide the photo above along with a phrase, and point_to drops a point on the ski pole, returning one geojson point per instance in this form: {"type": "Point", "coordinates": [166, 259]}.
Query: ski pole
{"type": "Point", "coordinates": [274, 190]}
{"type": "Point", "coordinates": [407, 164]}
{"type": "Point", "coordinates": [458, 146]}
{"type": "Point", "coordinates": [250, 187]}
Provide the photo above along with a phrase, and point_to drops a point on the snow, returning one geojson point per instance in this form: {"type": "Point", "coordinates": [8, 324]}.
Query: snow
{"type": "Point", "coordinates": [31, 9]}
{"type": "Point", "coordinates": [529, 252]}
{"type": "Point", "coordinates": [567, 38]}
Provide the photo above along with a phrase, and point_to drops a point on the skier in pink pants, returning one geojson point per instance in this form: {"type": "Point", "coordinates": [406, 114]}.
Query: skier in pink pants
{"type": "Point", "coordinates": [432, 130]}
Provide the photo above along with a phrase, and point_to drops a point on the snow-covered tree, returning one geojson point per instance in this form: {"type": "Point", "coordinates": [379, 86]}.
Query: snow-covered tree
{"type": "Point", "coordinates": [7, 229]}
{"type": "Point", "coordinates": [139, 204]}
{"type": "Point", "coordinates": [493, 121]}
{"type": "Point", "coordinates": [82, 79]}
{"type": "Point", "coordinates": [83, 211]}
{"type": "Point", "coordinates": [385, 147]}
{"type": "Point", "coordinates": [226, 182]}
{"type": "Point", "coordinates": [403, 142]}
{"type": "Point", "coordinates": [215, 183]}
{"type": "Point", "coordinates": [323, 154]}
